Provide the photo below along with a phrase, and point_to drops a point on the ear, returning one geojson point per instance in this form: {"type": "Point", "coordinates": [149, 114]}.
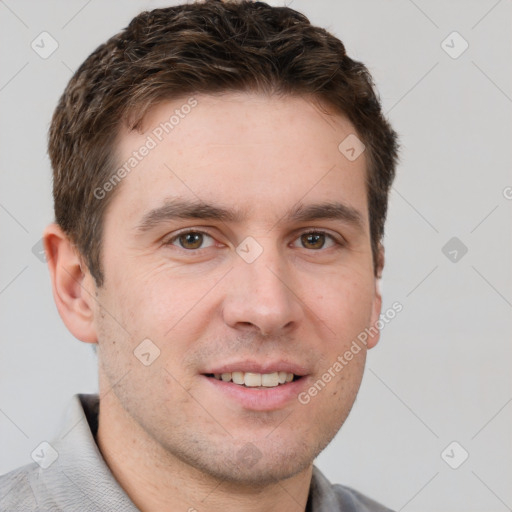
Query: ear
{"type": "Point", "coordinates": [73, 286]}
{"type": "Point", "coordinates": [377, 300]}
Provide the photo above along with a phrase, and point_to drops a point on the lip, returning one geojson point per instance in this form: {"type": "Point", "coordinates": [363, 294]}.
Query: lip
{"type": "Point", "coordinates": [256, 367]}
{"type": "Point", "coordinates": [258, 399]}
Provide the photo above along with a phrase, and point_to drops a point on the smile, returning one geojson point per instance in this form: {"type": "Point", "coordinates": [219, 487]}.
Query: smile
{"type": "Point", "coordinates": [255, 380]}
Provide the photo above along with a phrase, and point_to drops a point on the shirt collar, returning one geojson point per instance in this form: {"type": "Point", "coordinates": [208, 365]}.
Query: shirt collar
{"type": "Point", "coordinates": [81, 464]}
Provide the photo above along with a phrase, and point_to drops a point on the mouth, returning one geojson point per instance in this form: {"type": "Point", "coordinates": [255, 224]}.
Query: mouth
{"type": "Point", "coordinates": [256, 380]}
{"type": "Point", "coordinates": [256, 391]}
{"type": "Point", "coordinates": [256, 385]}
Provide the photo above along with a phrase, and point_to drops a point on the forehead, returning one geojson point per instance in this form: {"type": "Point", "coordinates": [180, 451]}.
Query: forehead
{"type": "Point", "coordinates": [247, 150]}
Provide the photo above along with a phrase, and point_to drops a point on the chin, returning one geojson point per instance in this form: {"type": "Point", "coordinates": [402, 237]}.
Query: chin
{"type": "Point", "coordinates": [260, 474]}
{"type": "Point", "coordinates": [254, 464]}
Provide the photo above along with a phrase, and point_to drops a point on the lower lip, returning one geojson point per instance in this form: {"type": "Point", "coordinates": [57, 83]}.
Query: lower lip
{"type": "Point", "coordinates": [258, 399]}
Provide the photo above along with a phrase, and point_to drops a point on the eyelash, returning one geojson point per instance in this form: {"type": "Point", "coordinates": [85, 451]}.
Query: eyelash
{"type": "Point", "coordinates": [338, 243]}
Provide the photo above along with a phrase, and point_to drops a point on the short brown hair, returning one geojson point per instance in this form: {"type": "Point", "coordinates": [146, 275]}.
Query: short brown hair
{"type": "Point", "coordinates": [207, 47]}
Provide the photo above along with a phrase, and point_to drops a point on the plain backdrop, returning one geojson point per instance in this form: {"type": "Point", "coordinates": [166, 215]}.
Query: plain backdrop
{"type": "Point", "coordinates": [441, 372]}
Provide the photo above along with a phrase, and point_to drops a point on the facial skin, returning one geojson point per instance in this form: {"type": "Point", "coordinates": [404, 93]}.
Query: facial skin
{"type": "Point", "coordinates": [170, 435]}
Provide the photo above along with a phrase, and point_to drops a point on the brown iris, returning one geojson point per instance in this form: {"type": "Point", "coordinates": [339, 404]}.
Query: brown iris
{"type": "Point", "coordinates": [191, 240]}
{"type": "Point", "coordinates": [314, 240]}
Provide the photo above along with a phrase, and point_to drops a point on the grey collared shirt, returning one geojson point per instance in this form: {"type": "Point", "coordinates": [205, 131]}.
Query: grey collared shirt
{"type": "Point", "coordinates": [70, 475]}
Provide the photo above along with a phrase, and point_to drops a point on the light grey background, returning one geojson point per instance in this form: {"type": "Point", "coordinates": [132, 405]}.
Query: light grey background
{"type": "Point", "coordinates": [441, 371]}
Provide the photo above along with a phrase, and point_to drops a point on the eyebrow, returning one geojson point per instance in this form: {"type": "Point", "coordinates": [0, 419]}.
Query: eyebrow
{"type": "Point", "coordinates": [177, 208]}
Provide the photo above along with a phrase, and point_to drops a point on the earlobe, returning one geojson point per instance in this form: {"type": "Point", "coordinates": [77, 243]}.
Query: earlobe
{"type": "Point", "coordinates": [377, 301]}
{"type": "Point", "coordinates": [72, 284]}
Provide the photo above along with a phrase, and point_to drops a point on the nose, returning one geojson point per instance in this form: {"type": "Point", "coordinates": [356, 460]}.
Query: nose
{"type": "Point", "coordinates": [261, 296]}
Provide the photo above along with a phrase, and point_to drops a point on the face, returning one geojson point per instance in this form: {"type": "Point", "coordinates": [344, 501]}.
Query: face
{"type": "Point", "coordinates": [238, 245]}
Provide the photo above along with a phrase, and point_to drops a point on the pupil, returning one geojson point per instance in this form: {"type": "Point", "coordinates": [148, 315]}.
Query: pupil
{"type": "Point", "coordinates": [191, 240]}
{"type": "Point", "coordinates": [315, 240]}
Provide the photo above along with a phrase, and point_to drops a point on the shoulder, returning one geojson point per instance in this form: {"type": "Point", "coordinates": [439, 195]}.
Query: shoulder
{"type": "Point", "coordinates": [16, 492]}
{"type": "Point", "coordinates": [350, 499]}
{"type": "Point", "coordinates": [325, 496]}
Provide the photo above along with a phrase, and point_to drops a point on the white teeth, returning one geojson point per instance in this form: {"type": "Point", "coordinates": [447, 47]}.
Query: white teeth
{"type": "Point", "coordinates": [238, 377]}
{"type": "Point", "coordinates": [270, 380]}
{"type": "Point", "coordinates": [254, 380]}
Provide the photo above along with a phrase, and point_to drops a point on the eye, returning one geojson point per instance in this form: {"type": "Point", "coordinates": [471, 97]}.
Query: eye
{"type": "Point", "coordinates": [191, 240]}
{"type": "Point", "coordinates": [316, 240]}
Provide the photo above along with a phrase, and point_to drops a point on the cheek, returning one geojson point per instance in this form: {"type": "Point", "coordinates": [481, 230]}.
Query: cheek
{"type": "Point", "coordinates": [345, 303]}
{"type": "Point", "coordinates": [169, 309]}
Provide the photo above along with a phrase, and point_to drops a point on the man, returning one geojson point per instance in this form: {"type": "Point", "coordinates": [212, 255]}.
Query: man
{"type": "Point", "coordinates": [221, 173]}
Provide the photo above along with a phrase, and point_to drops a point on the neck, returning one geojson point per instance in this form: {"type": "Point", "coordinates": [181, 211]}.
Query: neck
{"type": "Point", "coordinates": [155, 480]}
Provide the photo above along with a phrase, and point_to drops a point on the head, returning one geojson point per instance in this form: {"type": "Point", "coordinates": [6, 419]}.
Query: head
{"type": "Point", "coordinates": [227, 120]}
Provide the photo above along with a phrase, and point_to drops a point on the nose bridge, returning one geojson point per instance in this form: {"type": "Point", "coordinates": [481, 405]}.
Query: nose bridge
{"type": "Point", "coordinates": [261, 291]}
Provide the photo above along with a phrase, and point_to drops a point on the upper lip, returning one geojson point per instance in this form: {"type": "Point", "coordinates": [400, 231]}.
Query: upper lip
{"type": "Point", "coordinates": [260, 367]}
